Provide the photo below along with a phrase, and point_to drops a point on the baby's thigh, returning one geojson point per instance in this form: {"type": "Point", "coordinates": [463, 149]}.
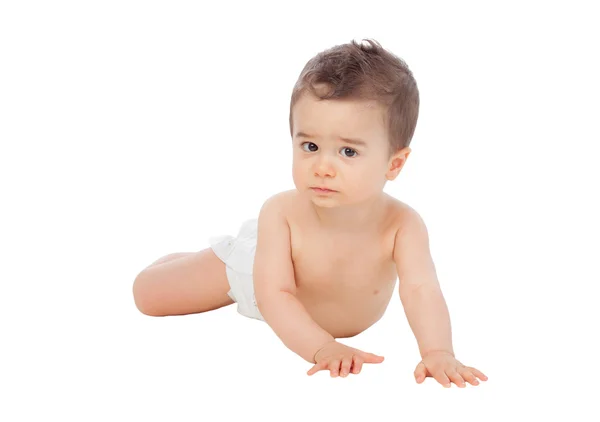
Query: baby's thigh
{"type": "Point", "coordinates": [170, 257]}
{"type": "Point", "coordinates": [193, 283]}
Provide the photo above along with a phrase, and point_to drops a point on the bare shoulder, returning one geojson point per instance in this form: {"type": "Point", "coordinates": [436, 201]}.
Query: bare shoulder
{"type": "Point", "coordinates": [288, 198]}
{"type": "Point", "coordinates": [400, 210]}
{"type": "Point", "coordinates": [405, 218]}
{"type": "Point", "coordinates": [280, 204]}
{"type": "Point", "coordinates": [281, 200]}
{"type": "Point", "coordinates": [411, 240]}
{"type": "Point", "coordinates": [411, 252]}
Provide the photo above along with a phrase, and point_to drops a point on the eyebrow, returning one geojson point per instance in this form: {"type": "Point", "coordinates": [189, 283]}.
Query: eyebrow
{"type": "Point", "coordinates": [355, 141]}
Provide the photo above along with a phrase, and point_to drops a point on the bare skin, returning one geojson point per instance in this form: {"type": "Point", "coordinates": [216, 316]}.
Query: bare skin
{"type": "Point", "coordinates": [182, 283]}
{"type": "Point", "coordinates": [326, 263]}
{"type": "Point", "coordinates": [345, 280]}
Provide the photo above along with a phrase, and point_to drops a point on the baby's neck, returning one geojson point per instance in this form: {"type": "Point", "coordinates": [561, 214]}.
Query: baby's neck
{"type": "Point", "coordinates": [351, 218]}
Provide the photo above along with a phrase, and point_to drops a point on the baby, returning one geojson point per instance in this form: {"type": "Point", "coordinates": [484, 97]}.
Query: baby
{"type": "Point", "coordinates": [321, 261]}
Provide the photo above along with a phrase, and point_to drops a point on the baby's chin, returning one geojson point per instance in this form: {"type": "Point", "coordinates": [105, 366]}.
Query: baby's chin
{"type": "Point", "coordinates": [325, 201]}
{"type": "Point", "coordinates": [325, 204]}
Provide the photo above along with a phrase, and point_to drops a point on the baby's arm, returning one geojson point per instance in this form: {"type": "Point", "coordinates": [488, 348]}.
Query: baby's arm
{"type": "Point", "coordinates": [275, 286]}
{"type": "Point", "coordinates": [426, 308]}
{"type": "Point", "coordinates": [420, 292]}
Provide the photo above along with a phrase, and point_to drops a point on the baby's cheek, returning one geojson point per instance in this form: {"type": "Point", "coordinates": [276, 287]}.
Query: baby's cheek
{"type": "Point", "coordinates": [298, 178]}
{"type": "Point", "coordinates": [362, 183]}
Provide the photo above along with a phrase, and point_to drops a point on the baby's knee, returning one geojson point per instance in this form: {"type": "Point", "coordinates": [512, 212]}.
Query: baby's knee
{"type": "Point", "coordinates": [142, 295]}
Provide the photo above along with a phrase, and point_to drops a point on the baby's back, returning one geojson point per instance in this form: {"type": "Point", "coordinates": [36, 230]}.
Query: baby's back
{"type": "Point", "coordinates": [344, 279]}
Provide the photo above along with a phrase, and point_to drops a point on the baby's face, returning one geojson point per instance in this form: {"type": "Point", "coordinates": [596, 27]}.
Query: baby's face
{"type": "Point", "coordinates": [322, 158]}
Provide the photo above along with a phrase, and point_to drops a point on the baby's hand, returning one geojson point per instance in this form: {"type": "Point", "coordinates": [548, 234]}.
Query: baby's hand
{"type": "Point", "coordinates": [444, 367]}
{"type": "Point", "coordinates": [341, 359]}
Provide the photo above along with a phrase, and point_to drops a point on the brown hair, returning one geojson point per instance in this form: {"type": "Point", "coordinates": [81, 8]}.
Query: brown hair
{"type": "Point", "coordinates": [365, 72]}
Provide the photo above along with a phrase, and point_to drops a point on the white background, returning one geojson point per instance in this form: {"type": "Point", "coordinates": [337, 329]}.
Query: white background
{"type": "Point", "coordinates": [131, 130]}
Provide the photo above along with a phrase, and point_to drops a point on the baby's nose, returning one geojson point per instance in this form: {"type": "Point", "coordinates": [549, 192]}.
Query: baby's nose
{"type": "Point", "coordinates": [324, 168]}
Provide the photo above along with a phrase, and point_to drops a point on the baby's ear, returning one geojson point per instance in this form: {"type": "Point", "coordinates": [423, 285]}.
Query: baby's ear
{"type": "Point", "coordinates": [396, 163]}
{"type": "Point", "coordinates": [393, 171]}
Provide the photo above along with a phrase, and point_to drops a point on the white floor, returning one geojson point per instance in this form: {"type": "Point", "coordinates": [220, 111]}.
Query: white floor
{"type": "Point", "coordinates": [133, 130]}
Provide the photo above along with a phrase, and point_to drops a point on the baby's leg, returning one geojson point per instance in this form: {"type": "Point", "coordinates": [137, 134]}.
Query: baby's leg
{"type": "Point", "coordinates": [170, 257]}
{"type": "Point", "coordinates": [182, 283]}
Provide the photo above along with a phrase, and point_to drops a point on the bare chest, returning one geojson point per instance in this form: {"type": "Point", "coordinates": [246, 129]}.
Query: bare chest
{"type": "Point", "coordinates": [342, 266]}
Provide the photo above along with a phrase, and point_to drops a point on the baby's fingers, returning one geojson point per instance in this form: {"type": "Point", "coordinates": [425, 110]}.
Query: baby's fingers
{"type": "Point", "coordinates": [441, 377]}
{"type": "Point", "coordinates": [346, 364]}
{"type": "Point", "coordinates": [469, 377]}
{"type": "Point", "coordinates": [371, 358]}
{"type": "Point", "coordinates": [420, 373]}
{"type": "Point", "coordinates": [478, 373]}
{"type": "Point", "coordinates": [357, 364]}
{"type": "Point", "coordinates": [334, 368]}
{"type": "Point", "coordinates": [455, 377]}
{"type": "Point", "coordinates": [318, 367]}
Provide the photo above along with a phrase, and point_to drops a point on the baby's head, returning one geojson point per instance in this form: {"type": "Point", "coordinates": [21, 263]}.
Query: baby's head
{"type": "Point", "coordinates": [353, 113]}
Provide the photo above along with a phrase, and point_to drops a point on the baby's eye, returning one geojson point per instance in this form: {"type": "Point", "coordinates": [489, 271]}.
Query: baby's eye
{"type": "Point", "coordinates": [315, 147]}
{"type": "Point", "coordinates": [351, 151]}
{"type": "Point", "coordinates": [311, 144]}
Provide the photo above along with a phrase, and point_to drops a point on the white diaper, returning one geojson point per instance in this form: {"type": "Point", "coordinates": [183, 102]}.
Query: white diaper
{"type": "Point", "coordinates": [238, 255]}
